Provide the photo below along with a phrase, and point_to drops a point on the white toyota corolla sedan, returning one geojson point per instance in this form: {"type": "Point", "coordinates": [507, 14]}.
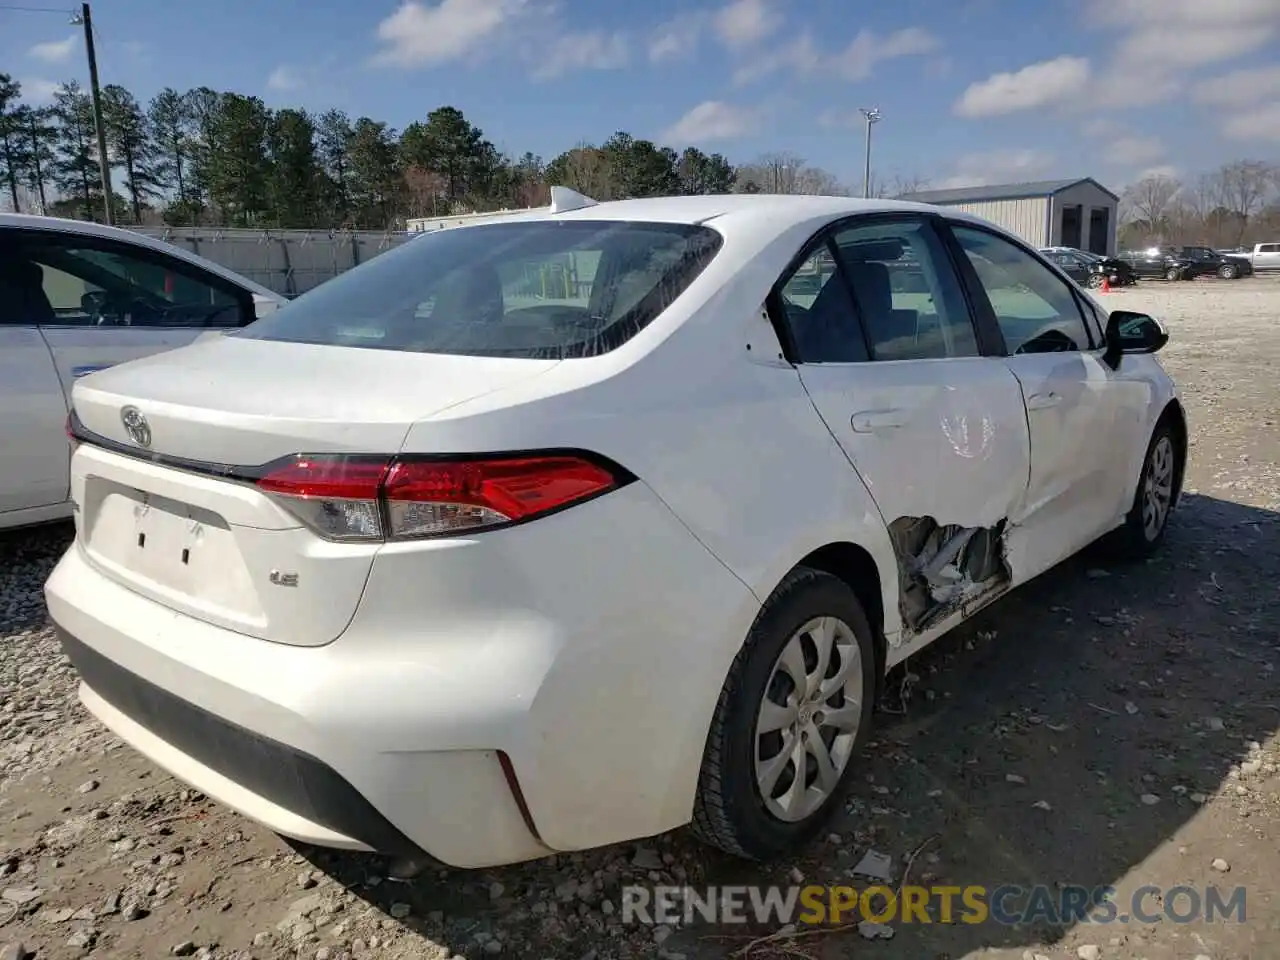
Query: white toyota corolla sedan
{"type": "Point", "coordinates": [577, 526]}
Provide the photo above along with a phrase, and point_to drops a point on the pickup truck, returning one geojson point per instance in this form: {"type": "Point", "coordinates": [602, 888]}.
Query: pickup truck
{"type": "Point", "coordinates": [1265, 256]}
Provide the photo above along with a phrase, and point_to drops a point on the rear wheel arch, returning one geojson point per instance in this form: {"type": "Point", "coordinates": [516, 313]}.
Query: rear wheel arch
{"type": "Point", "coordinates": [856, 568]}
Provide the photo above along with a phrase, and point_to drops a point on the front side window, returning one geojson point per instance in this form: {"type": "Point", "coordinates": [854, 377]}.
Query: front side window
{"type": "Point", "coordinates": [908, 298]}
{"type": "Point", "coordinates": [1036, 309]}
{"type": "Point", "coordinates": [536, 289]}
{"type": "Point", "coordinates": [74, 281]}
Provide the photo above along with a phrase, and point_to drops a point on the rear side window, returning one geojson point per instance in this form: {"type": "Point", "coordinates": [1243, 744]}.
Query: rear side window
{"type": "Point", "coordinates": [539, 289]}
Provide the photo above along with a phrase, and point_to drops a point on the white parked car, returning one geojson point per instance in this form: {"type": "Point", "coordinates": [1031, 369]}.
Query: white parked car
{"type": "Point", "coordinates": [572, 528]}
{"type": "Point", "coordinates": [77, 297]}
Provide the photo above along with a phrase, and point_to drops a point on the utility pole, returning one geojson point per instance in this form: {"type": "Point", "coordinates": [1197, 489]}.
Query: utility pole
{"type": "Point", "coordinates": [873, 117]}
{"type": "Point", "coordinates": [85, 19]}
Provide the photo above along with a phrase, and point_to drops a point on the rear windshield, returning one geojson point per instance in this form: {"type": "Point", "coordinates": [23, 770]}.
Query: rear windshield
{"type": "Point", "coordinates": [539, 289]}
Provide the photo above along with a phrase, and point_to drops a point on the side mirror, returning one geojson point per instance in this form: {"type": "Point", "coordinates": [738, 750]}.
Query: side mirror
{"type": "Point", "coordinates": [1129, 332]}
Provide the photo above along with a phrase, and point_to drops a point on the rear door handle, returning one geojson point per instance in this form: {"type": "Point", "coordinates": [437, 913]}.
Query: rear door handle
{"type": "Point", "coordinates": [872, 421]}
{"type": "Point", "coordinates": [1043, 401]}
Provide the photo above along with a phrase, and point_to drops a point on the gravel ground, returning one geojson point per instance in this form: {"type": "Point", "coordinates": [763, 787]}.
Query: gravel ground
{"type": "Point", "coordinates": [1103, 725]}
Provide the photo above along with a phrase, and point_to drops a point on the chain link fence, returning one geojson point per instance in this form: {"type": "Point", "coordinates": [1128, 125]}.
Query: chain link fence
{"type": "Point", "coordinates": [290, 262]}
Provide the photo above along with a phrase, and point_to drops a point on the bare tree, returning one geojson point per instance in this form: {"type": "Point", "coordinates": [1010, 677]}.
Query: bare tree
{"type": "Point", "coordinates": [1150, 200]}
{"type": "Point", "coordinates": [787, 173]}
{"type": "Point", "coordinates": [898, 186]}
{"type": "Point", "coordinates": [1244, 187]}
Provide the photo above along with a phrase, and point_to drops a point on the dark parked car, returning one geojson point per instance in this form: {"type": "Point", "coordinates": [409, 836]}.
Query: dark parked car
{"type": "Point", "coordinates": [1166, 262]}
{"type": "Point", "coordinates": [1228, 267]}
{"type": "Point", "coordinates": [1089, 269]}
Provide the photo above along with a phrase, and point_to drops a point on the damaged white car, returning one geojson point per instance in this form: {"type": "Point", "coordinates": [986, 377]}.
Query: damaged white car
{"type": "Point", "coordinates": [581, 525]}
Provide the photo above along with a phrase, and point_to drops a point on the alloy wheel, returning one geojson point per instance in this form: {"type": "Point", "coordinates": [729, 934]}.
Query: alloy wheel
{"type": "Point", "coordinates": [808, 719]}
{"type": "Point", "coordinates": [1157, 495]}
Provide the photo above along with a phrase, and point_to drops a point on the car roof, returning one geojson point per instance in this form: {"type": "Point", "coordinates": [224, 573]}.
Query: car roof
{"type": "Point", "coordinates": [753, 216]}
{"type": "Point", "coordinates": [84, 228]}
{"type": "Point", "coordinates": [779, 210]}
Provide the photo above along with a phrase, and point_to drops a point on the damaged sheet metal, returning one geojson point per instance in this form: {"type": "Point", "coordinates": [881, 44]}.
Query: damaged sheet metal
{"type": "Point", "coordinates": [941, 567]}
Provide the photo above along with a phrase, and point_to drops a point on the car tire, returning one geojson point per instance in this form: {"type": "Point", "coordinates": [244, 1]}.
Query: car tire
{"type": "Point", "coordinates": [1159, 486]}
{"type": "Point", "coordinates": [1227, 272]}
{"type": "Point", "coordinates": [1173, 273]}
{"type": "Point", "coordinates": [1095, 281]}
{"type": "Point", "coordinates": [747, 805]}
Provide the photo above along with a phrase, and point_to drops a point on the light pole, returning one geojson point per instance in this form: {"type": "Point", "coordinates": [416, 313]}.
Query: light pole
{"type": "Point", "coordinates": [85, 19]}
{"type": "Point", "coordinates": [872, 116]}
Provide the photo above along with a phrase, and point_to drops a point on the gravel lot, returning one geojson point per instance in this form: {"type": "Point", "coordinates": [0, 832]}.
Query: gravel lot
{"type": "Point", "coordinates": [1104, 725]}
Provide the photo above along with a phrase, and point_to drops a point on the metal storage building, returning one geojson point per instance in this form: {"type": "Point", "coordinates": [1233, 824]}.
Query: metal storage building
{"type": "Point", "coordinates": [1079, 213]}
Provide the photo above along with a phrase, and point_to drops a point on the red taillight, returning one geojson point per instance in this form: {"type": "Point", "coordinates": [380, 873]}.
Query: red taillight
{"type": "Point", "coordinates": [328, 478]}
{"type": "Point", "coordinates": [364, 498]}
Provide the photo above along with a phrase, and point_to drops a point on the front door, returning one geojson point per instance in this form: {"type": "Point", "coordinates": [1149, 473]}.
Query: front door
{"type": "Point", "coordinates": [890, 357]}
{"type": "Point", "coordinates": [110, 302]}
{"type": "Point", "coordinates": [34, 451]}
{"type": "Point", "coordinates": [1072, 401]}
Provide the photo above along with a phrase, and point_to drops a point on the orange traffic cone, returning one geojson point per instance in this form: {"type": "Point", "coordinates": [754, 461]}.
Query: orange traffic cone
{"type": "Point", "coordinates": [1106, 284]}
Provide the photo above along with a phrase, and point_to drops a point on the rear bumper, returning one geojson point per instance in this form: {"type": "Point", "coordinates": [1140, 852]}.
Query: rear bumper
{"type": "Point", "coordinates": [539, 689]}
{"type": "Point", "coordinates": [292, 792]}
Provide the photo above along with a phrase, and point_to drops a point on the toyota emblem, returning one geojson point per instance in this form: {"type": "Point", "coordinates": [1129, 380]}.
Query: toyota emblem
{"type": "Point", "coordinates": [136, 426]}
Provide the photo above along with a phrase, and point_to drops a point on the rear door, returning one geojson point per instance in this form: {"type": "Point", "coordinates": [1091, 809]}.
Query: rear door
{"type": "Point", "coordinates": [888, 352]}
{"type": "Point", "coordinates": [1074, 402]}
{"type": "Point", "coordinates": [110, 302]}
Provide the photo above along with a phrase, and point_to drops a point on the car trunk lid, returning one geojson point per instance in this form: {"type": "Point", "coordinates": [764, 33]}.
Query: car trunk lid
{"type": "Point", "coordinates": [178, 519]}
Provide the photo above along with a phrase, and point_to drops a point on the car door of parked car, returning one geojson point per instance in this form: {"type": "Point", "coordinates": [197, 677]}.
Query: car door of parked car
{"type": "Point", "coordinates": [1077, 268]}
{"type": "Point", "coordinates": [888, 352]}
{"type": "Point", "coordinates": [110, 301]}
{"type": "Point", "coordinates": [33, 445]}
{"type": "Point", "coordinates": [1073, 401]}
{"type": "Point", "coordinates": [1142, 264]}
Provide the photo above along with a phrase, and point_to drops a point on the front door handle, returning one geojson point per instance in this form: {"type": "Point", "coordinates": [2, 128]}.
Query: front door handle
{"type": "Point", "coordinates": [1043, 401]}
{"type": "Point", "coordinates": [872, 421]}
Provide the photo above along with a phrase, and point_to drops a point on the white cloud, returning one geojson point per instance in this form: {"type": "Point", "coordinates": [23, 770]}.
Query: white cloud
{"type": "Point", "coordinates": [1239, 87]}
{"type": "Point", "coordinates": [867, 49]}
{"type": "Point", "coordinates": [37, 91]}
{"type": "Point", "coordinates": [1134, 151]}
{"type": "Point", "coordinates": [998, 166]}
{"type": "Point", "coordinates": [422, 35]}
{"type": "Point", "coordinates": [746, 22]}
{"type": "Point", "coordinates": [55, 51]}
{"type": "Point", "coordinates": [591, 50]}
{"type": "Point", "coordinates": [676, 39]}
{"type": "Point", "coordinates": [1262, 123]}
{"type": "Point", "coordinates": [800, 56]}
{"type": "Point", "coordinates": [712, 120]}
{"type": "Point", "coordinates": [284, 79]}
{"type": "Point", "coordinates": [1161, 40]}
{"type": "Point", "coordinates": [1041, 84]}
{"type": "Point", "coordinates": [855, 62]}
{"type": "Point", "coordinates": [1164, 171]}
{"type": "Point", "coordinates": [1102, 127]}
{"type": "Point", "coordinates": [1178, 45]}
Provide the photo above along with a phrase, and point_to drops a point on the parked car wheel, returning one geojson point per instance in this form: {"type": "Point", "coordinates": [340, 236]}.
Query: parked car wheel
{"type": "Point", "coordinates": [793, 712]}
{"type": "Point", "coordinates": [1155, 498]}
{"type": "Point", "coordinates": [1095, 280]}
{"type": "Point", "coordinates": [1228, 271]}
{"type": "Point", "coordinates": [1173, 273]}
